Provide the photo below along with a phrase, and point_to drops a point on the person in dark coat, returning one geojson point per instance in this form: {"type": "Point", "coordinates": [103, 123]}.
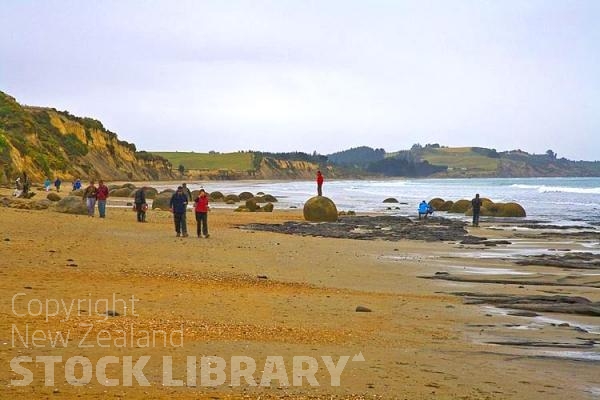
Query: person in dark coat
{"type": "Point", "coordinates": [476, 204]}
{"type": "Point", "coordinates": [140, 204]}
{"type": "Point", "coordinates": [178, 204]}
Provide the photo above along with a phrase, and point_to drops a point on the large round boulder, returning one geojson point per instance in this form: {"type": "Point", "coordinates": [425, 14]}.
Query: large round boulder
{"type": "Point", "coordinates": [122, 192]}
{"type": "Point", "coordinates": [151, 193]}
{"type": "Point", "coordinates": [216, 196]}
{"type": "Point", "coordinates": [71, 205]}
{"type": "Point", "coordinates": [245, 196]}
{"type": "Point", "coordinates": [320, 209]}
{"type": "Point", "coordinates": [53, 196]}
{"type": "Point", "coordinates": [251, 204]}
{"type": "Point", "coordinates": [162, 201]}
{"type": "Point", "coordinates": [269, 198]}
{"type": "Point", "coordinates": [268, 207]}
{"type": "Point", "coordinates": [436, 203]}
{"type": "Point", "coordinates": [390, 200]}
{"type": "Point", "coordinates": [460, 206]}
{"type": "Point", "coordinates": [446, 206]}
{"type": "Point", "coordinates": [511, 210]}
{"type": "Point", "coordinates": [231, 198]}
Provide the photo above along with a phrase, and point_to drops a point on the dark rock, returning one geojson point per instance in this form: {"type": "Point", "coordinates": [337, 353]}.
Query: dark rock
{"type": "Point", "coordinates": [268, 207]}
{"type": "Point", "coordinates": [112, 313]}
{"type": "Point", "coordinates": [523, 313]}
{"type": "Point", "coordinates": [262, 277]}
{"type": "Point", "coordinates": [53, 196]}
{"type": "Point", "coordinates": [71, 205]}
{"type": "Point", "coordinates": [363, 309]}
{"type": "Point", "coordinates": [390, 200]}
{"type": "Point", "coordinates": [245, 196]}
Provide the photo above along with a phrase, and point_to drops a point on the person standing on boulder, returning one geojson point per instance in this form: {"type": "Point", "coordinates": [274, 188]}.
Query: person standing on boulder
{"type": "Point", "coordinates": [319, 183]}
{"type": "Point", "coordinates": [202, 214]}
{"type": "Point", "coordinates": [89, 197]}
{"type": "Point", "coordinates": [102, 195]}
{"type": "Point", "coordinates": [476, 204]}
{"type": "Point", "coordinates": [139, 200]}
{"type": "Point", "coordinates": [178, 205]}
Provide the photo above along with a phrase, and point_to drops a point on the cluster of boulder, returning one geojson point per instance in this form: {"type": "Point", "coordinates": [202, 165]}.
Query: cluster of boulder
{"type": "Point", "coordinates": [488, 207]}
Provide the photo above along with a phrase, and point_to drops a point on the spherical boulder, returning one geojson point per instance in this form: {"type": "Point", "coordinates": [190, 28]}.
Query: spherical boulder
{"type": "Point", "coordinates": [53, 196]}
{"type": "Point", "coordinates": [461, 206]}
{"type": "Point", "coordinates": [251, 204]}
{"type": "Point", "coordinates": [446, 206]}
{"type": "Point", "coordinates": [268, 207]}
{"type": "Point", "coordinates": [269, 198]}
{"type": "Point", "coordinates": [216, 196]}
{"type": "Point", "coordinates": [436, 203]}
{"type": "Point", "coordinates": [245, 196]}
{"type": "Point", "coordinates": [162, 201]}
{"type": "Point", "coordinates": [390, 200]}
{"type": "Point", "coordinates": [71, 205]}
{"type": "Point", "coordinates": [151, 193]}
{"type": "Point", "coordinates": [123, 192]}
{"type": "Point", "coordinates": [320, 209]}
{"type": "Point", "coordinates": [511, 210]}
{"type": "Point", "coordinates": [231, 197]}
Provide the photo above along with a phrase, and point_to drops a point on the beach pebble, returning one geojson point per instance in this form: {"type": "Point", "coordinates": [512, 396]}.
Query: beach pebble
{"type": "Point", "coordinates": [362, 309]}
{"type": "Point", "coordinates": [262, 277]}
{"type": "Point", "coordinates": [112, 313]}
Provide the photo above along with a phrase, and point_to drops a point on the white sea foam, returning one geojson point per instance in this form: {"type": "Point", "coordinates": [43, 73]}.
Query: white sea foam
{"type": "Point", "coordinates": [558, 189]}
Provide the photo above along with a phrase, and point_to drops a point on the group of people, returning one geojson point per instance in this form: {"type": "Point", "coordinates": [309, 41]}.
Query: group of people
{"type": "Point", "coordinates": [93, 195]}
{"type": "Point", "coordinates": [178, 205]}
{"type": "Point", "coordinates": [426, 209]}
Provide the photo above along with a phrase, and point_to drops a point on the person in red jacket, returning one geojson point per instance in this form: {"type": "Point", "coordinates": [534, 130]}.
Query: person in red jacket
{"type": "Point", "coordinates": [319, 183]}
{"type": "Point", "coordinates": [101, 196]}
{"type": "Point", "coordinates": [202, 213]}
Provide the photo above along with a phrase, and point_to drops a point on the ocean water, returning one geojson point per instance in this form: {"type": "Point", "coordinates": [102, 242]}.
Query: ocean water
{"type": "Point", "coordinates": [561, 201]}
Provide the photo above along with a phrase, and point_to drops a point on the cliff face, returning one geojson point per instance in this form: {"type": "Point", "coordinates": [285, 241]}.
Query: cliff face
{"type": "Point", "coordinates": [44, 142]}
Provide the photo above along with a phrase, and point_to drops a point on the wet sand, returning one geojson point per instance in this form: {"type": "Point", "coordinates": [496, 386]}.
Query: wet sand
{"type": "Point", "coordinates": [257, 294]}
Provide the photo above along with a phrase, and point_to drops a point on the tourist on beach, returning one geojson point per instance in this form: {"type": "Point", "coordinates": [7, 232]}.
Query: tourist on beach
{"type": "Point", "coordinates": [202, 213]}
{"type": "Point", "coordinates": [57, 184]}
{"type": "Point", "coordinates": [47, 184]}
{"type": "Point", "coordinates": [77, 184]}
{"type": "Point", "coordinates": [187, 191]}
{"type": "Point", "coordinates": [89, 197]}
{"type": "Point", "coordinates": [178, 204]}
{"type": "Point", "coordinates": [423, 209]}
{"type": "Point", "coordinates": [139, 199]}
{"type": "Point", "coordinates": [476, 204]}
{"type": "Point", "coordinates": [26, 184]}
{"type": "Point", "coordinates": [18, 187]}
{"type": "Point", "coordinates": [319, 183]}
{"type": "Point", "coordinates": [101, 196]}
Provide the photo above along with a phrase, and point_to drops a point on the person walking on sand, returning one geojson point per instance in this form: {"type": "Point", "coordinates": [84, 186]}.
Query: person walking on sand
{"type": "Point", "coordinates": [476, 204]}
{"type": "Point", "coordinates": [319, 183]}
{"type": "Point", "coordinates": [57, 184]}
{"type": "Point", "coordinates": [178, 205]}
{"type": "Point", "coordinates": [202, 214]}
{"type": "Point", "coordinates": [102, 195]}
{"type": "Point", "coordinates": [89, 197]}
{"type": "Point", "coordinates": [47, 184]}
{"type": "Point", "coordinates": [139, 200]}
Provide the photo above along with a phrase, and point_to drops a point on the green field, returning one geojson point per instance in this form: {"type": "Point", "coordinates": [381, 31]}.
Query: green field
{"type": "Point", "coordinates": [231, 161]}
{"type": "Point", "coordinates": [460, 157]}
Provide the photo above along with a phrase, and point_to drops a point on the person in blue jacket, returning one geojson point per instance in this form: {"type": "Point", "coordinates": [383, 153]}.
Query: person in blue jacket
{"type": "Point", "coordinates": [178, 204]}
{"type": "Point", "coordinates": [425, 209]}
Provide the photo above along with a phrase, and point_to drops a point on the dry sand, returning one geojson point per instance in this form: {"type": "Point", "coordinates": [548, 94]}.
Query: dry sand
{"type": "Point", "coordinates": [259, 294]}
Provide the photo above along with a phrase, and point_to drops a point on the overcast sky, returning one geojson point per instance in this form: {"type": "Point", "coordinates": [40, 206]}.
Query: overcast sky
{"type": "Point", "coordinates": [314, 75]}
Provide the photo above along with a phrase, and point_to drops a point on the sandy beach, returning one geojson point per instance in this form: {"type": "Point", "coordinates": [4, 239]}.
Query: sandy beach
{"type": "Point", "coordinates": [257, 294]}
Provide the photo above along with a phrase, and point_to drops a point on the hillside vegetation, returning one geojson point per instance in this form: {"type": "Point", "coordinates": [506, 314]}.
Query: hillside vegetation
{"type": "Point", "coordinates": [44, 142]}
{"type": "Point", "coordinates": [239, 161]}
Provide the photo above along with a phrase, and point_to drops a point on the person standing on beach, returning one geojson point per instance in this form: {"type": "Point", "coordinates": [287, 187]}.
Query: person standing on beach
{"type": "Point", "coordinates": [139, 200]}
{"type": "Point", "coordinates": [57, 183]}
{"type": "Point", "coordinates": [202, 213]}
{"type": "Point", "coordinates": [178, 205]}
{"type": "Point", "coordinates": [476, 204]}
{"type": "Point", "coordinates": [319, 183]}
{"type": "Point", "coordinates": [89, 197]}
{"type": "Point", "coordinates": [47, 184]}
{"type": "Point", "coordinates": [102, 195]}
{"type": "Point", "coordinates": [187, 191]}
